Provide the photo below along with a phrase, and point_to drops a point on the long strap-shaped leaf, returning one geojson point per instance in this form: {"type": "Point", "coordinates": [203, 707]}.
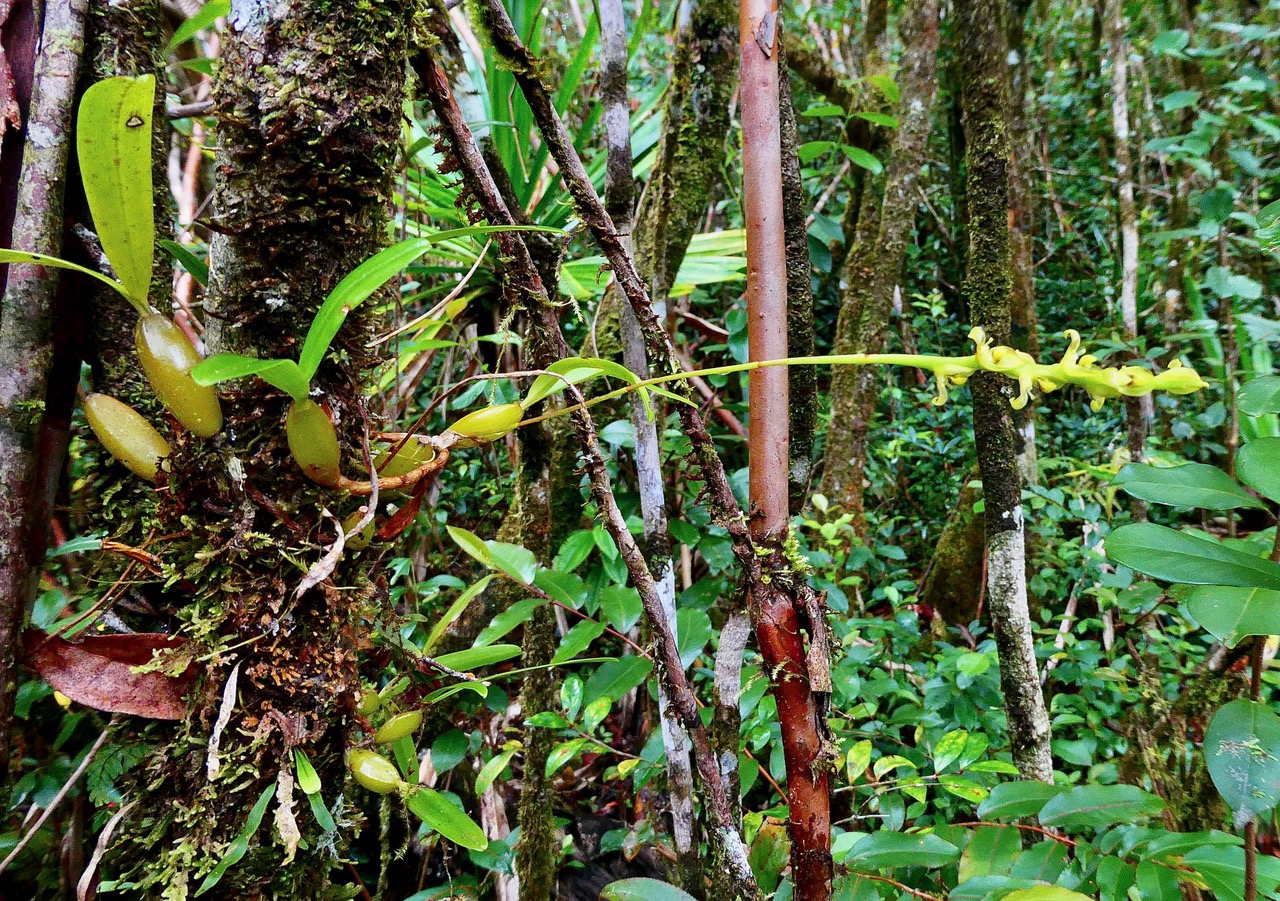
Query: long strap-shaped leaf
{"type": "Point", "coordinates": [113, 141]}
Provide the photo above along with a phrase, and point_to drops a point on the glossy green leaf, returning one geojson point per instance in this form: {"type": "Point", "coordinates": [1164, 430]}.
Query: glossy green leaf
{"type": "Point", "coordinates": [308, 779]}
{"type": "Point", "coordinates": [561, 754]}
{"type": "Point", "coordinates": [949, 749]}
{"type": "Point", "coordinates": [577, 640]}
{"type": "Point", "coordinates": [1099, 805]}
{"type": "Point", "coordinates": [991, 851]}
{"type": "Point", "coordinates": [1014, 800]}
{"type": "Point", "coordinates": [195, 265]}
{"type": "Point", "coordinates": [574, 370]}
{"type": "Point", "coordinates": [1189, 485]}
{"type": "Point", "coordinates": [474, 658]}
{"type": "Point", "coordinates": [617, 677]}
{"type": "Point", "coordinates": [863, 158]}
{"type": "Point", "coordinates": [1258, 466]}
{"type": "Point", "coordinates": [113, 144]}
{"type": "Point", "coordinates": [472, 543]}
{"type": "Point", "coordinates": [454, 611]}
{"type": "Point", "coordinates": [445, 817]}
{"type": "Point", "coordinates": [515, 615]}
{"type": "Point", "coordinates": [517, 562]}
{"type": "Point", "coordinates": [1230, 614]}
{"type": "Point", "coordinates": [882, 850]}
{"type": "Point", "coordinates": [492, 770]}
{"type": "Point", "coordinates": [1260, 396]}
{"type": "Point", "coordinates": [1044, 893]}
{"type": "Point", "coordinates": [1242, 750]}
{"type": "Point", "coordinates": [40, 259]}
{"type": "Point", "coordinates": [643, 889]}
{"type": "Point", "coordinates": [204, 18]}
{"type": "Point", "coordinates": [1163, 553]}
{"type": "Point", "coordinates": [1223, 871]}
{"type": "Point", "coordinates": [282, 374]}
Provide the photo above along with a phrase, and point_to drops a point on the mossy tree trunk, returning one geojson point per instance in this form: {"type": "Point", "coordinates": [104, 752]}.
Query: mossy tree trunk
{"type": "Point", "coordinates": [985, 103]}
{"type": "Point", "coordinates": [308, 101]}
{"type": "Point", "coordinates": [874, 265]}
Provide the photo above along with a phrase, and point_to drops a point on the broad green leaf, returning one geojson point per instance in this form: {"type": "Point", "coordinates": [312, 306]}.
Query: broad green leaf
{"type": "Point", "coordinates": [515, 615]}
{"type": "Point", "coordinates": [1260, 396]}
{"type": "Point", "coordinates": [811, 150]}
{"type": "Point", "coordinates": [1163, 553]}
{"type": "Point", "coordinates": [239, 846]}
{"type": "Point", "coordinates": [693, 631]}
{"type": "Point", "coordinates": [617, 677]}
{"type": "Point", "coordinates": [990, 852]}
{"type": "Point", "coordinates": [963, 788]}
{"type": "Point", "coordinates": [878, 119]}
{"type": "Point", "coordinates": [1014, 800]}
{"type": "Point", "coordinates": [40, 259]}
{"type": "Point", "coordinates": [454, 611]}
{"type": "Point", "coordinates": [1230, 614]}
{"type": "Point", "coordinates": [1242, 750]}
{"type": "Point", "coordinates": [863, 158]}
{"type": "Point", "coordinates": [887, 86]}
{"type": "Point", "coordinates": [881, 850]}
{"type": "Point", "coordinates": [517, 562]}
{"type": "Point", "coordinates": [1258, 466]}
{"type": "Point", "coordinates": [1171, 42]}
{"type": "Point", "coordinates": [577, 640]}
{"type": "Point", "coordinates": [643, 889]}
{"type": "Point", "coordinates": [949, 748]}
{"type": "Point", "coordinates": [1188, 485]}
{"type": "Point", "coordinates": [471, 543]}
{"type": "Point", "coordinates": [1044, 893]}
{"type": "Point", "coordinates": [204, 18]}
{"type": "Point", "coordinates": [1223, 870]}
{"type": "Point", "coordinates": [562, 754]}
{"type": "Point", "coordinates": [474, 658]}
{"type": "Point", "coordinates": [622, 607]}
{"type": "Point", "coordinates": [449, 749]}
{"type": "Point", "coordinates": [857, 760]}
{"type": "Point", "coordinates": [823, 109]}
{"type": "Point", "coordinates": [113, 144]}
{"type": "Point", "coordinates": [1099, 805]}
{"type": "Point", "coordinates": [445, 817]}
{"type": "Point", "coordinates": [282, 374]}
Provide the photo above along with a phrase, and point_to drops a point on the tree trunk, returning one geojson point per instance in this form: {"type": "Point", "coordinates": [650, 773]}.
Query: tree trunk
{"type": "Point", "coordinates": [1135, 416]}
{"type": "Point", "coordinates": [984, 98]}
{"type": "Point", "coordinates": [873, 267]}
{"type": "Point", "coordinates": [773, 611]}
{"type": "Point", "coordinates": [34, 423]}
{"type": "Point", "coordinates": [308, 139]}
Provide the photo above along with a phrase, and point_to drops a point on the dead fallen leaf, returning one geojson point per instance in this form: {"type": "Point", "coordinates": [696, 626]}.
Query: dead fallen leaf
{"type": "Point", "coordinates": [98, 671]}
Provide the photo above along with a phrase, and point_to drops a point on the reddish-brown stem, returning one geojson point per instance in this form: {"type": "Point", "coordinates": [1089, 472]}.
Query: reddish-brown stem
{"type": "Point", "coordinates": [773, 612]}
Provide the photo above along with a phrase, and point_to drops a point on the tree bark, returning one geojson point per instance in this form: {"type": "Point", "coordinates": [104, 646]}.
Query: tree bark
{"type": "Point", "coordinates": [619, 201]}
{"type": "Point", "coordinates": [1118, 50]}
{"type": "Point", "coordinates": [308, 139]}
{"type": "Point", "coordinates": [34, 424]}
{"type": "Point", "coordinates": [984, 98]}
{"type": "Point", "coordinates": [873, 267]}
{"type": "Point", "coordinates": [774, 613]}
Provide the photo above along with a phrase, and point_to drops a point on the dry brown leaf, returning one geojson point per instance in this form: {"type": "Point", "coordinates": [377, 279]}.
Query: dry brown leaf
{"type": "Point", "coordinates": [98, 671]}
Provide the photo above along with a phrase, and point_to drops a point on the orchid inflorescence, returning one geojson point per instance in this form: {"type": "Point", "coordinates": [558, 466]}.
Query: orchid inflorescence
{"type": "Point", "coordinates": [1074, 368]}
